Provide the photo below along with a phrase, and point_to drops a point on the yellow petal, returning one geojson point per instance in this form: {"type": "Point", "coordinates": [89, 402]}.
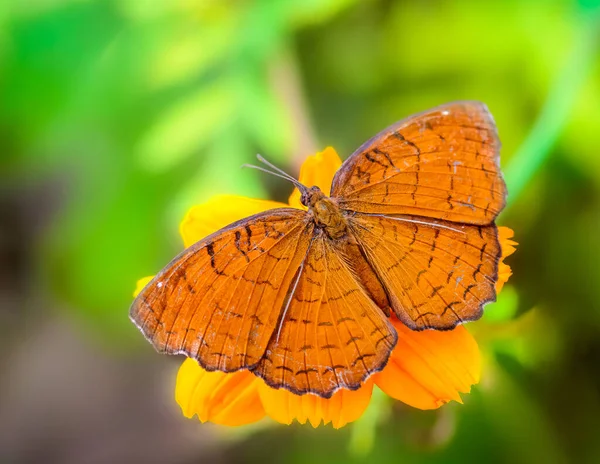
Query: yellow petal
{"type": "Point", "coordinates": [430, 368]}
{"type": "Point", "coordinates": [218, 212]}
{"type": "Point", "coordinates": [226, 399]}
{"type": "Point", "coordinates": [317, 170]}
{"type": "Point", "coordinates": [141, 283]}
{"type": "Point", "coordinates": [508, 247]}
{"type": "Point", "coordinates": [343, 407]}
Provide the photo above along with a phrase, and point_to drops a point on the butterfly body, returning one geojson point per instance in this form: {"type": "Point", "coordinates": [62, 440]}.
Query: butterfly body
{"type": "Point", "coordinates": [303, 298]}
{"type": "Point", "coordinates": [325, 212]}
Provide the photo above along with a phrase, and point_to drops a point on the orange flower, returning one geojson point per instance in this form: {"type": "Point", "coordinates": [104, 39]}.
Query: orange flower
{"type": "Point", "coordinates": [426, 369]}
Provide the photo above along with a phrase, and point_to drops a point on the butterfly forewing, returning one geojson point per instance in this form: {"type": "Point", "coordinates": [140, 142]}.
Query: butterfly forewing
{"type": "Point", "coordinates": [220, 300]}
{"type": "Point", "coordinates": [441, 164]}
{"type": "Point", "coordinates": [437, 274]}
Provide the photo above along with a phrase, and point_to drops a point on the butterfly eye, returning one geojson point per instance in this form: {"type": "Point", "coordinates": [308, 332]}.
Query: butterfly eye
{"type": "Point", "coordinates": [305, 198]}
{"type": "Point", "coordinates": [309, 196]}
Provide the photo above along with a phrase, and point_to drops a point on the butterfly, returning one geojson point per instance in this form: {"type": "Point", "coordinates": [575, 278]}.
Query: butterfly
{"type": "Point", "coordinates": [303, 298]}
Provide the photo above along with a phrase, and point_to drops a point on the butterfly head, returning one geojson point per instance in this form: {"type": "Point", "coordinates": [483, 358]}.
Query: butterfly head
{"type": "Point", "coordinates": [311, 196]}
{"type": "Point", "coordinates": [325, 211]}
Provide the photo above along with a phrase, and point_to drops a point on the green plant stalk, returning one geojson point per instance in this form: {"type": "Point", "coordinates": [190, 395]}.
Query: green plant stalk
{"type": "Point", "coordinates": [554, 115]}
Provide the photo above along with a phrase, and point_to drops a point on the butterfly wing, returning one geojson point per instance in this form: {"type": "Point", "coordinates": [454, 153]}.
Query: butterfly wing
{"type": "Point", "coordinates": [443, 163]}
{"type": "Point", "coordinates": [333, 335]}
{"type": "Point", "coordinates": [220, 300]}
{"type": "Point", "coordinates": [436, 274]}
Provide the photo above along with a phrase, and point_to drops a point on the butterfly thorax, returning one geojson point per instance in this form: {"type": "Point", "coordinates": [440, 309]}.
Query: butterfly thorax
{"type": "Point", "coordinates": [326, 213]}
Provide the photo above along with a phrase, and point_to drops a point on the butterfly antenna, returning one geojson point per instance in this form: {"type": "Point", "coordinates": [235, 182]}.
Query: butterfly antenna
{"type": "Point", "coordinates": [277, 172]}
{"type": "Point", "coordinates": [272, 166]}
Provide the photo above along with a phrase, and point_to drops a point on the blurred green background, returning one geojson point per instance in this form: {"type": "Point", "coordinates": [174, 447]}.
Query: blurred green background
{"type": "Point", "coordinates": [117, 116]}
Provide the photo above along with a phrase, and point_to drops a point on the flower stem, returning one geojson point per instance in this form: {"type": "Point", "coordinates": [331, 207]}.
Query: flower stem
{"type": "Point", "coordinates": [362, 438]}
{"type": "Point", "coordinates": [286, 79]}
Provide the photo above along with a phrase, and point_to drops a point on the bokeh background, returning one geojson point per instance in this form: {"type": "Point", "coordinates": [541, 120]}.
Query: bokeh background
{"type": "Point", "coordinates": [117, 116]}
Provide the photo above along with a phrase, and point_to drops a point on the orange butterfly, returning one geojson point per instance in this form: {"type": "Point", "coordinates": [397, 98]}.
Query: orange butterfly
{"type": "Point", "coordinates": [303, 298]}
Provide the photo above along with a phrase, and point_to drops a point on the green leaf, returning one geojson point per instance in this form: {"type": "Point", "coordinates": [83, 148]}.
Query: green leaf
{"type": "Point", "coordinates": [187, 126]}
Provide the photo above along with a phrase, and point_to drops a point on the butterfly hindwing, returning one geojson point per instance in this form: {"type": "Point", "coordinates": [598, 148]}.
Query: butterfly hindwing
{"type": "Point", "coordinates": [437, 274]}
{"type": "Point", "coordinates": [332, 334]}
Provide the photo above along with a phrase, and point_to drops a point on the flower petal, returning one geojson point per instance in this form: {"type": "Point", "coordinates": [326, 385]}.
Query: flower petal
{"type": "Point", "coordinates": [429, 368]}
{"type": "Point", "coordinates": [317, 170]}
{"type": "Point", "coordinates": [218, 212]}
{"type": "Point", "coordinates": [226, 399]}
{"type": "Point", "coordinates": [343, 407]}
{"type": "Point", "coordinates": [508, 247]}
